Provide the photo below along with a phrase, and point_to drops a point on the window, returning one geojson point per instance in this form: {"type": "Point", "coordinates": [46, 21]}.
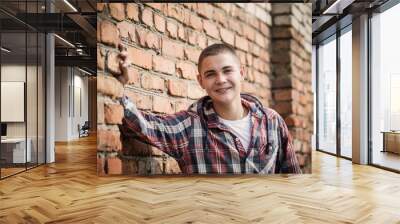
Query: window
{"type": "Point", "coordinates": [346, 92]}
{"type": "Point", "coordinates": [385, 86]}
{"type": "Point", "coordinates": [327, 95]}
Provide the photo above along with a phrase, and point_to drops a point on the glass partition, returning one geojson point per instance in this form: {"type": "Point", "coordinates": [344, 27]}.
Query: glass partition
{"type": "Point", "coordinates": [327, 96]}
{"type": "Point", "coordinates": [22, 88]}
{"type": "Point", "coordinates": [346, 93]}
{"type": "Point", "coordinates": [385, 89]}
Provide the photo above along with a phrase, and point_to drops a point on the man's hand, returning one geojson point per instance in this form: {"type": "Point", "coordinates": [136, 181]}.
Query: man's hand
{"type": "Point", "coordinates": [123, 65]}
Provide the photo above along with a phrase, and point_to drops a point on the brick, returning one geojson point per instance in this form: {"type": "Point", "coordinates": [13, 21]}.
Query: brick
{"type": "Point", "coordinates": [175, 11]}
{"type": "Point", "coordinates": [109, 33]}
{"type": "Point", "coordinates": [159, 166]}
{"type": "Point", "coordinates": [133, 77]}
{"type": "Point", "coordinates": [100, 164]}
{"type": "Point", "coordinates": [235, 25]}
{"type": "Point", "coordinates": [113, 113]}
{"type": "Point", "coordinates": [186, 70]}
{"type": "Point", "coordinates": [141, 101]}
{"type": "Point", "coordinates": [191, 6]}
{"type": "Point", "coordinates": [126, 30]}
{"type": "Point", "coordinates": [195, 22]}
{"type": "Point", "coordinates": [192, 54]}
{"type": "Point", "coordinates": [108, 140]}
{"type": "Point", "coordinates": [148, 39]}
{"type": "Point", "coordinates": [220, 17]}
{"type": "Point", "coordinates": [100, 58]}
{"type": "Point", "coordinates": [248, 88]}
{"type": "Point", "coordinates": [152, 82]}
{"type": "Point", "coordinates": [202, 41]}
{"type": "Point", "coordinates": [157, 6]}
{"type": "Point", "coordinates": [113, 63]}
{"type": "Point", "coordinates": [177, 88]}
{"type": "Point", "coordinates": [161, 64]}
{"type": "Point", "coordinates": [227, 36]}
{"type": "Point", "coordinates": [241, 43]}
{"type": "Point", "coordinates": [159, 23]}
{"type": "Point", "coordinates": [211, 29]}
{"type": "Point", "coordinates": [292, 121]}
{"type": "Point", "coordinates": [181, 32]}
{"type": "Point", "coordinates": [196, 92]}
{"type": "Point", "coordinates": [100, 109]}
{"type": "Point", "coordinates": [109, 86]}
{"type": "Point", "coordinates": [152, 41]}
{"type": "Point", "coordinates": [140, 57]}
{"type": "Point", "coordinates": [205, 10]}
{"type": "Point", "coordinates": [172, 49]}
{"type": "Point", "coordinates": [283, 107]}
{"type": "Point", "coordinates": [101, 6]}
{"type": "Point", "coordinates": [114, 165]}
{"type": "Point", "coordinates": [162, 105]}
{"type": "Point", "coordinates": [283, 94]}
{"type": "Point", "coordinates": [172, 29]}
{"type": "Point", "coordinates": [117, 11]}
{"type": "Point", "coordinates": [249, 32]}
{"type": "Point", "coordinates": [181, 105]}
{"type": "Point", "coordinates": [134, 147]}
{"type": "Point", "coordinates": [132, 12]}
{"type": "Point", "coordinates": [147, 17]}
{"type": "Point", "coordinates": [260, 40]}
{"type": "Point", "coordinates": [192, 37]}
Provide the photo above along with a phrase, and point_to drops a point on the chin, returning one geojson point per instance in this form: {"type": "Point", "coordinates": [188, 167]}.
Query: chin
{"type": "Point", "coordinates": [223, 99]}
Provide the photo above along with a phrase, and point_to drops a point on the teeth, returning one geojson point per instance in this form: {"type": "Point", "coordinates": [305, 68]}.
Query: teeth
{"type": "Point", "coordinates": [223, 90]}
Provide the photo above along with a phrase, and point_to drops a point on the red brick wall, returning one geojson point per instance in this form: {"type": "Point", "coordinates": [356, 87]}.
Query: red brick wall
{"type": "Point", "coordinates": [164, 42]}
{"type": "Point", "coordinates": [291, 66]}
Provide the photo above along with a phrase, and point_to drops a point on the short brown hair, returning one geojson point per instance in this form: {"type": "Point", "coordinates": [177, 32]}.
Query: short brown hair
{"type": "Point", "coordinates": [215, 49]}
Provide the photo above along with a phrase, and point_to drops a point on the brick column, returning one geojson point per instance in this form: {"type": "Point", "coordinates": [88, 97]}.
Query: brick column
{"type": "Point", "coordinates": [291, 85]}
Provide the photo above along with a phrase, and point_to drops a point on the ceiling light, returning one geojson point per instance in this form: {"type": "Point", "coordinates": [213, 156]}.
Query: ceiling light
{"type": "Point", "coordinates": [86, 72]}
{"type": "Point", "coordinates": [70, 5]}
{"type": "Point", "coordinates": [65, 41]}
{"type": "Point", "coordinates": [337, 7]}
{"type": "Point", "coordinates": [5, 50]}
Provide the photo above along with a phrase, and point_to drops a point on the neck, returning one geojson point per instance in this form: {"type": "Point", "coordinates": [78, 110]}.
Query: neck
{"type": "Point", "coordinates": [232, 111]}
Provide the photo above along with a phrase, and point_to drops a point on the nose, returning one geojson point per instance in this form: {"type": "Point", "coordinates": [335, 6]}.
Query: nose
{"type": "Point", "coordinates": [220, 78]}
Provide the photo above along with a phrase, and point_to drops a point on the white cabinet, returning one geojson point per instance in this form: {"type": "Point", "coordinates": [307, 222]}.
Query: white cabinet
{"type": "Point", "coordinates": [18, 149]}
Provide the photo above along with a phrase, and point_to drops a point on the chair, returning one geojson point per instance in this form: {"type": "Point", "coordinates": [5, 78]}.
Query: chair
{"type": "Point", "coordinates": [84, 130]}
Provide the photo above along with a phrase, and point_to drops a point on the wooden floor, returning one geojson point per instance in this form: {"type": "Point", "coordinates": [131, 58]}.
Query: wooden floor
{"type": "Point", "coordinates": [70, 192]}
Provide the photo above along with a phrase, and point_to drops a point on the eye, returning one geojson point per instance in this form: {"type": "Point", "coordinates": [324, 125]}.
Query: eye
{"type": "Point", "coordinates": [228, 70]}
{"type": "Point", "coordinates": [209, 75]}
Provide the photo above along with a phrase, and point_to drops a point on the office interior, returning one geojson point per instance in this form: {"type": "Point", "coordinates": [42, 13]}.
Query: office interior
{"type": "Point", "coordinates": [48, 79]}
{"type": "Point", "coordinates": [357, 81]}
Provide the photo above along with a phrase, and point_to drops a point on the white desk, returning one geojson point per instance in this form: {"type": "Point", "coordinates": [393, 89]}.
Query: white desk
{"type": "Point", "coordinates": [18, 149]}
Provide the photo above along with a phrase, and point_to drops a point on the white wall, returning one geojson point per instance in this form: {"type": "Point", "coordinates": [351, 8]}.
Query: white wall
{"type": "Point", "coordinates": [69, 86]}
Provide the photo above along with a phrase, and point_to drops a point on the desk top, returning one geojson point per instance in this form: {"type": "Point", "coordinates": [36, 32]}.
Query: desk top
{"type": "Point", "coordinates": [13, 140]}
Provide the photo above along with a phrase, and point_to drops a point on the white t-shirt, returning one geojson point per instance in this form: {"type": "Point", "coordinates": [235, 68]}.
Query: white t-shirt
{"type": "Point", "coordinates": [240, 128]}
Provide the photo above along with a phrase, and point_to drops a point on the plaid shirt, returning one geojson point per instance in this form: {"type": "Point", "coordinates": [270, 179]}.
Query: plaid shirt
{"type": "Point", "coordinates": [201, 144]}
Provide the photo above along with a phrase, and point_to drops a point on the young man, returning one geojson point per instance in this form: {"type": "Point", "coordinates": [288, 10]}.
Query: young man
{"type": "Point", "coordinates": [225, 132]}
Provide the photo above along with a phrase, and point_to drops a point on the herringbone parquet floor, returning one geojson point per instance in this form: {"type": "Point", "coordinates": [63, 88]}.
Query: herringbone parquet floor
{"type": "Point", "coordinates": [70, 192]}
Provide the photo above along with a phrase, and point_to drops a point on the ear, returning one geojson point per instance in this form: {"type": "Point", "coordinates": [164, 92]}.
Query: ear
{"type": "Point", "coordinates": [242, 72]}
{"type": "Point", "coordinates": [200, 80]}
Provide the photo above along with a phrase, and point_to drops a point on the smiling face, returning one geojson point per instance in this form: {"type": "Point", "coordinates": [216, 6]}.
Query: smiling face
{"type": "Point", "coordinates": [220, 76]}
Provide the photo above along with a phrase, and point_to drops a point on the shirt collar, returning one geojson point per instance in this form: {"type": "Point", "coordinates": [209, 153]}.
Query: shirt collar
{"type": "Point", "coordinates": [212, 116]}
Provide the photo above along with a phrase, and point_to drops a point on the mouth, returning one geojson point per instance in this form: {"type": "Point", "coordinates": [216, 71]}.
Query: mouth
{"type": "Point", "coordinates": [223, 90]}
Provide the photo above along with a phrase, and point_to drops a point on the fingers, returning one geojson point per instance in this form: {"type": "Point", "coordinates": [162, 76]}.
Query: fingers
{"type": "Point", "coordinates": [121, 47]}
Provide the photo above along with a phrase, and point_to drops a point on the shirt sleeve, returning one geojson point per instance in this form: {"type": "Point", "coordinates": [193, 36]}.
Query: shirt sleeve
{"type": "Point", "coordinates": [286, 159]}
{"type": "Point", "coordinates": [169, 133]}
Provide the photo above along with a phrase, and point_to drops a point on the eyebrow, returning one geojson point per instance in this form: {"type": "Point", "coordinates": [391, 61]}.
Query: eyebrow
{"type": "Point", "coordinates": [223, 68]}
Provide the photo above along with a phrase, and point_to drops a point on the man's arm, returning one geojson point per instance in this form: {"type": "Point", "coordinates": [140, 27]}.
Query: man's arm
{"type": "Point", "coordinates": [286, 160]}
{"type": "Point", "coordinates": [169, 133]}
